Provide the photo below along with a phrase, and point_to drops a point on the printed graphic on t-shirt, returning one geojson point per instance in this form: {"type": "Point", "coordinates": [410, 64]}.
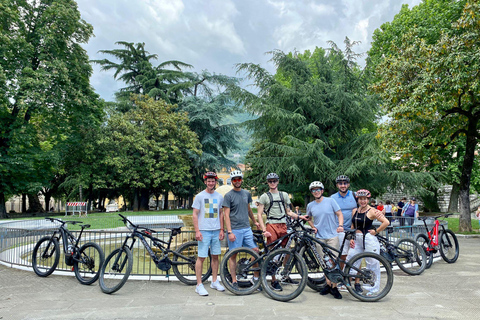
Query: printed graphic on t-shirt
{"type": "Point", "coordinates": [211, 208]}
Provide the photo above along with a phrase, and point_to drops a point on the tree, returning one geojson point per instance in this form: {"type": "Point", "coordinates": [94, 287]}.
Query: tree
{"type": "Point", "coordinates": [316, 120]}
{"type": "Point", "coordinates": [137, 71]}
{"type": "Point", "coordinates": [148, 147]}
{"type": "Point", "coordinates": [431, 92]}
{"type": "Point", "coordinates": [45, 95]}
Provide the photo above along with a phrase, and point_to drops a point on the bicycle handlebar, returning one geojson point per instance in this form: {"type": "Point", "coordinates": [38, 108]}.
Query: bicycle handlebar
{"type": "Point", "coordinates": [435, 217]}
{"type": "Point", "coordinates": [135, 226]}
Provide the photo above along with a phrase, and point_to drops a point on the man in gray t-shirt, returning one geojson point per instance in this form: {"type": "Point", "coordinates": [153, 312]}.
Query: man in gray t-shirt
{"type": "Point", "coordinates": [237, 210]}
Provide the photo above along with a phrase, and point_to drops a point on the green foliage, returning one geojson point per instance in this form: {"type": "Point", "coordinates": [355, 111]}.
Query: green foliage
{"type": "Point", "coordinates": [431, 93]}
{"type": "Point", "coordinates": [46, 102]}
{"type": "Point", "coordinates": [149, 146]}
{"type": "Point", "coordinates": [315, 121]}
{"type": "Point", "coordinates": [137, 71]}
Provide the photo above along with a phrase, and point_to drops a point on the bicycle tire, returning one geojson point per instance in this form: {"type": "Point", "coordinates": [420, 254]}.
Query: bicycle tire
{"type": "Point", "coordinates": [111, 277]}
{"type": "Point", "coordinates": [185, 272]}
{"type": "Point", "coordinates": [43, 262]}
{"type": "Point", "coordinates": [411, 257]}
{"type": "Point", "coordinates": [283, 263]}
{"type": "Point", "coordinates": [368, 277]}
{"type": "Point", "coordinates": [244, 273]}
{"type": "Point", "coordinates": [316, 278]}
{"type": "Point", "coordinates": [423, 241]}
{"type": "Point", "coordinates": [449, 241]}
{"type": "Point", "coordinates": [91, 259]}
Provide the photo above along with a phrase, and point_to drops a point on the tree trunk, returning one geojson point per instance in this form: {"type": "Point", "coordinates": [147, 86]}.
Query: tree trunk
{"type": "Point", "coordinates": [144, 199]}
{"type": "Point", "coordinates": [306, 200]}
{"type": "Point", "coordinates": [135, 200]}
{"type": "Point", "coordinates": [3, 209]}
{"type": "Point", "coordinates": [24, 203]}
{"type": "Point", "coordinates": [34, 204]}
{"type": "Point", "coordinates": [465, 221]}
{"type": "Point", "coordinates": [48, 196]}
{"type": "Point", "coordinates": [165, 203]}
{"type": "Point", "coordinates": [453, 204]}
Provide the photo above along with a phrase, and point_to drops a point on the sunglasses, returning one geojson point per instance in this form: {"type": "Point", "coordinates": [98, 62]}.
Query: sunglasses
{"type": "Point", "coordinates": [316, 190]}
{"type": "Point", "coordinates": [342, 183]}
{"type": "Point", "coordinates": [272, 181]}
{"type": "Point", "coordinates": [236, 179]}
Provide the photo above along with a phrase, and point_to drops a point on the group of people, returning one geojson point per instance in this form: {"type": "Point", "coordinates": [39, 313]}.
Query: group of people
{"type": "Point", "coordinates": [329, 218]}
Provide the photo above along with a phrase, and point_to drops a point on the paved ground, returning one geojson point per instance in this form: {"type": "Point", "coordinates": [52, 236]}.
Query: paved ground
{"type": "Point", "coordinates": [445, 291]}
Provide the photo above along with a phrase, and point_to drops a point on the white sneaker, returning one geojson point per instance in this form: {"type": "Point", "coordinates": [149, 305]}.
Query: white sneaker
{"type": "Point", "coordinates": [200, 289]}
{"type": "Point", "coordinates": [217, 286]}
{"type": "Point", "coordinates": [342, 288]}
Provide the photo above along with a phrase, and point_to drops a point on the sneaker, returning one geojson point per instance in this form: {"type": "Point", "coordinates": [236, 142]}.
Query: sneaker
{"type": "Point", "coordinates": [235, 286]}
{"type": "Point", "coordinates": [200, 289]}
{"type": "Point", "coordinates": [276, 286]}
{"type": "Point", "coordinates": [290, 281]}
{"type": "Point", "coordinates": [358, 287]}
{"type": "Point", "coordinates": [217, 286]}
{"type": "Point", "coordinates": [335, 293]}
{"type": "Point", "coordinates": [326, 290]}
{"type": "Point", "coordinates": [342, 288]}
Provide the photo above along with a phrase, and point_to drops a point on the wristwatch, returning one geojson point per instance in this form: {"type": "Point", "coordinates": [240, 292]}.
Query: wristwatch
{"type": "Point", "coordinates": [229, 232]}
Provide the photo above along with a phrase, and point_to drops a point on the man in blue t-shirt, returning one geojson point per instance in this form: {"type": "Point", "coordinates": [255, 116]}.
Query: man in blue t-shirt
{"type": "Point", "coordinates": [327, 223]}
{"type": "Point", "coordinates": [347, 202]}
{"type": "Point", "coordinates": [208, 224]}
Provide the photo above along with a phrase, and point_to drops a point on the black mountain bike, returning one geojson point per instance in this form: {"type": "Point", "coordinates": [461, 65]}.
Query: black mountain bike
{"type": "Point", "coordinates": [407, 253]}
{"type": "Point", "coordinates": [249, 264]}
{"type": "Point", "coordinates": [86, 260]}
{"type": "Point", "coordinates": [118, 265]}
{"type": "Point", "coordinates": [360, 267]}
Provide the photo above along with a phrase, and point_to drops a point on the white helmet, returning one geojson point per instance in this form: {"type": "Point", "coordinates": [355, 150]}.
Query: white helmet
{"type": "Point", "coordinates": [316, 185]}
{"type": "Point", "coordinates": [236, 173]}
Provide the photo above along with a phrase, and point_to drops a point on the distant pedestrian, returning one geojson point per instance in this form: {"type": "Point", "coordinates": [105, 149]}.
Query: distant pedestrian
{"type": "Point", "coordinates": [477, 213]}
{"type": "Point", "coordinates": [388, 210]}
{"type": "Point", "coordinates": [400, 206]}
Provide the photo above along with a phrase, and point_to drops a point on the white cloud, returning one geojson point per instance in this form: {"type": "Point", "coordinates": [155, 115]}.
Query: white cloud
{"type": "Point", "coordinates": [217, 34]}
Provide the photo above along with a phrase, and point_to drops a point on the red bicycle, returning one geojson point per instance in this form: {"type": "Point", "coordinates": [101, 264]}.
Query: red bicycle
{"type": "Point", "coordinates": [438, 239]}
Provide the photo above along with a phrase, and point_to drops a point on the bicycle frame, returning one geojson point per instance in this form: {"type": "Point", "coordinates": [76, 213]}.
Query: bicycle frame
{"type": "Point", "coordinates": [67, 238]}
{"type": "Point", "coordinates": [434, 232]}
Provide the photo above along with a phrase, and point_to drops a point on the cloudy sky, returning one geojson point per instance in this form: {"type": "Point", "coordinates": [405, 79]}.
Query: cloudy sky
{"type": "Point", "coordinates": [214, 35]}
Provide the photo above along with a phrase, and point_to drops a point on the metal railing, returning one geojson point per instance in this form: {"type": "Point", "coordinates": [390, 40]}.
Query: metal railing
{"type": "Point", "coordinates": [18, 238]}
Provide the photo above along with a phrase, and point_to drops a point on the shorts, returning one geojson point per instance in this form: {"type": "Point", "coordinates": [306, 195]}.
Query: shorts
{"type": "Point", "coordinates": [332, 242]}
{"type": "Point", "coordinates": [210, 240]}
{"type": "Point", "coordinates": [277, 230]}
{"type": "Point", "coordinates": [244, 238]}
{"type": "Point", "coordinates": [346, 246]}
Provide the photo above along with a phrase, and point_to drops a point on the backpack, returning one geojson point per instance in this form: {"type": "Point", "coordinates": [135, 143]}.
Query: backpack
{"type": "Point", "coordinates": [281, 204]}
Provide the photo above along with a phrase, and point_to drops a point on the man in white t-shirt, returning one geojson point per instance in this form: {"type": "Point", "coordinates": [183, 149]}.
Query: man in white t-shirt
{"type": "Point", "coordinates": [208, 223]}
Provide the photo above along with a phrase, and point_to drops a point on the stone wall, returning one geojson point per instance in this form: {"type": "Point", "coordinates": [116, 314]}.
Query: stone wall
{"type": "Point", "coordinates": [443, 198]}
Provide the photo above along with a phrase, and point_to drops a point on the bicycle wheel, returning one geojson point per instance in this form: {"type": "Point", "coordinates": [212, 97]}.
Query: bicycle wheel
{"type": "Point", "coordinates": [410, 257]}
{"type": "Point", "coordinates": [449, 249]}
{"type": "Point", "coordinates": [372, 272]}
{"type": "Point", "coordinates": [90, 260]}
{"type": "Point", "coordinates": [45, 256]}
{"type": "Point", "coordinates": [184, 266]}
{"type": "Point", "coordinates": [116, 270]}
{"type": "Point", "coordinates": [284, 274]}
{"type": "Point", "coordinates": [316, 277]}
{"type": "Point", "coordinates": [423, 242]}
{"type": "Point", "coordinates": [246, 265]}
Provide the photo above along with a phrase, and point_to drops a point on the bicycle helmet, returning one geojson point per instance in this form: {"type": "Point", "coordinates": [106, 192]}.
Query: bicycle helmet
{"type": "Point", "coordinates": [210, 174]}
{"type": "Point", "coordinates": [272, 175]}
{"type": "Point", "coordinates": [363, 193]}
{"type": "Point", "coordinates": [316, 185]}
{"type": "Point", "coordinates": [236, 173]}
{"type": "Point", "coordinates": [342, 178]}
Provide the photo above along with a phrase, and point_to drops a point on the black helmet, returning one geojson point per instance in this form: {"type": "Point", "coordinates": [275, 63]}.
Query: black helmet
{"type": "Point", "coordinates": [342, 178]}
{"type": "Point", "coordinates": [272, 175]}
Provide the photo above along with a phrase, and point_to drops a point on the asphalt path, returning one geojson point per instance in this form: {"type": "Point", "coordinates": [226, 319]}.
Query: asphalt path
{"type": "Point", "coordinates": [445, 291]}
